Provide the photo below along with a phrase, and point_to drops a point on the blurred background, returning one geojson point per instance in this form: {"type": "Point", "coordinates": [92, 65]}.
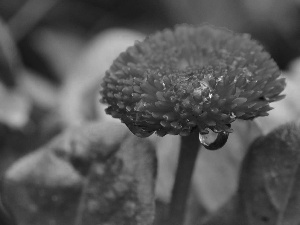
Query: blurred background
{"type": "Point", "coordinates": [41, 41]}
{"type": "Point", "coordinates": [53, 53]}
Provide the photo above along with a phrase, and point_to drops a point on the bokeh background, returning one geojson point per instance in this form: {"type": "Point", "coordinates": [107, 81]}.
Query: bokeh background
{"type": "Point", "coordinates": [53, 54]}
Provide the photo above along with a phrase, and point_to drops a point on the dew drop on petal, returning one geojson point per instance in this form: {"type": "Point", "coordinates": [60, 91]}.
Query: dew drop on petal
{"type": "Point", "coordinates": [214, 141]}
{"type": "Point", "coordinates": [139, 131]}
{"type": "Point", "coordinates": [207, 139]}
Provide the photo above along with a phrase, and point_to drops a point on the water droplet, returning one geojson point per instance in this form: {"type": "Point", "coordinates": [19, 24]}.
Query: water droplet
{"type": "Point", "coordinates": [207, 139]}
{"type": "Point", "coordinates": [139, 131]}
{"type": "Point", "coordinates": [232, 115]}
{"type": "Point", "coordinates": [140, 106]}
{"type": "Point", "coordinates": [220, 79]}
{"type": "Point", "coordinates": [213, 141]}
{"type": "Point", "coordinates": [198, 92]}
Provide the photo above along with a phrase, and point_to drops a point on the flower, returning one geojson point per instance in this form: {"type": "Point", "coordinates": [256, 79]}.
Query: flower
{"type": "Point", "coordinates": [193, 77]}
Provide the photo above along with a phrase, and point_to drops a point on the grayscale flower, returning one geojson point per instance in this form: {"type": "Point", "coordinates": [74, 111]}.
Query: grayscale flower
{"type": "Point", "coordinates": [193, 77]}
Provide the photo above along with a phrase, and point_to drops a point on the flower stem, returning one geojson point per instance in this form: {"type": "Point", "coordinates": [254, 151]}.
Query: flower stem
{"type": "Point", "coordinates": [189, 148]}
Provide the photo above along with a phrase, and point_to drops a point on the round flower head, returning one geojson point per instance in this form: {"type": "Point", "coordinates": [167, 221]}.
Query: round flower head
{"type": "Point", "coordinates": [192, 77]}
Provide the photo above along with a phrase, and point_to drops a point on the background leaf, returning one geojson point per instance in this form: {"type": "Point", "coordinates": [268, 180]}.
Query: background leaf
{"type": "Point", "coordinates": [93, 174]}
{"type": "Point", "coordinates": [269, 183]}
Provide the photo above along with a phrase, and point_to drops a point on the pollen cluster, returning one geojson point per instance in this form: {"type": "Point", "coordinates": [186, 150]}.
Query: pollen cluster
{"type": "Point", "coordinates": [192, 77]}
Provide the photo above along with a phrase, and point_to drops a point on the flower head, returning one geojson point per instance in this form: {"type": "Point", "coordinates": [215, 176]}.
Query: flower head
{"type": "Point", "coordinates": [192, 77]}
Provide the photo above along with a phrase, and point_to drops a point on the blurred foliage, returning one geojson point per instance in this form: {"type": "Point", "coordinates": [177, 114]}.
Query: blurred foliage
{"type": "Point", "coordinates": [53, 54]}
{"type": "Point", "coordinates": [269, 182]}
{"type": "Point", "coordinates": [93, 174]}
